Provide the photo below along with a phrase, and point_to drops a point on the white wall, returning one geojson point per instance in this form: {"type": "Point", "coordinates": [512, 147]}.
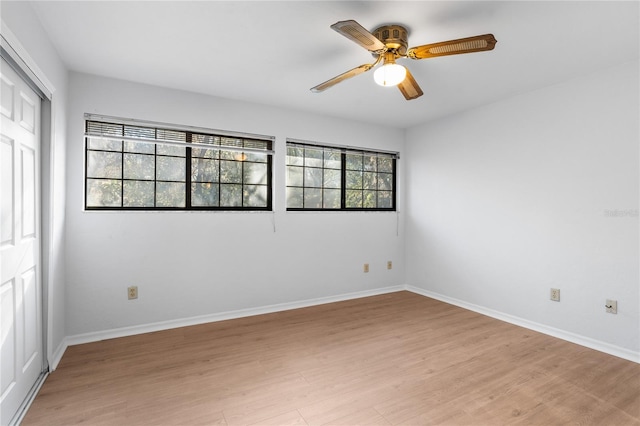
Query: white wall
{"type": "Point", "coordinates": [22, 27]}
{"type": "Point", "coordinates": [513, 198]}
{"type": "Point", "coordinates": [188, 264]}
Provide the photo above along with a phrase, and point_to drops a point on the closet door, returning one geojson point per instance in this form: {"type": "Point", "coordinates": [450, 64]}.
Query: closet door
{"type": "Point", "coordinates": [20, 274]}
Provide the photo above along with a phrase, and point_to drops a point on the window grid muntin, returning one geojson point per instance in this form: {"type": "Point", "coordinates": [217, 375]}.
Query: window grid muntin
{"type": "Point", "coordinates": [315, 161]}
{"type": "Point", "coordinates": [124, 130]}
{"type": "Point", "coordinates": [387, 173]}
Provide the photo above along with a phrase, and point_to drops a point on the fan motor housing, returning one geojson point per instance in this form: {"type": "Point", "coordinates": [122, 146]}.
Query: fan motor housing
{"type": "Point", "coordinates": [395, 37]}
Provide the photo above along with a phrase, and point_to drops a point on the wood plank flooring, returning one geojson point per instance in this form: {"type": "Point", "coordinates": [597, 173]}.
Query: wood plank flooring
{"type": "Point", "coordinates": [395, 359]}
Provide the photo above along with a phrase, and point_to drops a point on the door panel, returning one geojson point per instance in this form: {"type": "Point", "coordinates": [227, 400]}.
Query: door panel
{"type": "Point", "coordinates": [20, 282]}
{"type": "Point", "coordinates": [6, 188]}
{"type": "Point", "coordinates": [7, 93]}
{"type": "Point", "coordinates": [7, 298]}
{"type": "Point", "coordinates": [28, 208]}
{"type": "Point", "coordinates": [31, 316]}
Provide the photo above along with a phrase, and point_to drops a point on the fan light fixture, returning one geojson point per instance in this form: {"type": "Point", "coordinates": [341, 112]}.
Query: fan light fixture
{"type": "Point", "coordinates": [390, 74]}
{"type": "Point", "coordinates": [388, 43]}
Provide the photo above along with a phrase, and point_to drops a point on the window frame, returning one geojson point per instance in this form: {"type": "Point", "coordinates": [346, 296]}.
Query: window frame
{"type": "Point", "coordinates": [344, 151]}
{"type": "Point", "coordinates": [245, 144]}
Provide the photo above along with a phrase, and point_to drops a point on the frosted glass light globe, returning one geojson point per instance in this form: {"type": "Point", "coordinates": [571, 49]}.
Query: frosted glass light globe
{"type": "Point", "coordinates": [390, 75]}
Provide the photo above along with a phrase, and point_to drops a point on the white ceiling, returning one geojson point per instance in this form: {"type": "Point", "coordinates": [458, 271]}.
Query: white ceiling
{"type": "Point", "coordinates": [272, 53]}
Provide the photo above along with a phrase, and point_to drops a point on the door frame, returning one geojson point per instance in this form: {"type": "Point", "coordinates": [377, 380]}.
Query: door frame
{"type": "Point", "coordinates": [17, 56]}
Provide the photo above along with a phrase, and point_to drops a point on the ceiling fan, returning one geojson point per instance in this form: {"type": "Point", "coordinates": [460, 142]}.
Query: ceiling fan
{"type": "Point", "coordinates": [389, 43]}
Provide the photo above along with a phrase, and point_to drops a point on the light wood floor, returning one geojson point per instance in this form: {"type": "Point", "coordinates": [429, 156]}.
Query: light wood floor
{"type": "Point", "coordinates": [393, 359]}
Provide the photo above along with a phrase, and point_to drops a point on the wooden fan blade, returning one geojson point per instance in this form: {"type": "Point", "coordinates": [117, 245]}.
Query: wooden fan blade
{"type": "Point", "coordinates": [409, 87]}
{"type": "Point", "coordinates": [453, 47]}
{"type": "Point", "coordinates": [358, 34]}
{"type": "Point", "coordinates": [335, 80]}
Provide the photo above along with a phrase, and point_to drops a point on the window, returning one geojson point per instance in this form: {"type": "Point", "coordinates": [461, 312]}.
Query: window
{"type": "Point", "coordinates": [144, 167]}
{"type": "Point", "coordinates": [333, 178]}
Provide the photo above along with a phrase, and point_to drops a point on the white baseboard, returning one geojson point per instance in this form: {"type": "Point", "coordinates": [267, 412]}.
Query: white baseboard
{"type": "Point", "coordinates": [551, 331]}
{"type": "Point", "coordinates": [57, 355]}
{"type": "Point", "coordinates": [222, 316]}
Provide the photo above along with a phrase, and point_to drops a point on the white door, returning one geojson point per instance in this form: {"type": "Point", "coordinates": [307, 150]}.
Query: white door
{"type": "Point", "coordinates": [20, 283]}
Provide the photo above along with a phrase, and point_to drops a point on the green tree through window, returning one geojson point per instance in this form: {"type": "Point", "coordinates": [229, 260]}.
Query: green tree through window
{"type": "Point", "coordinates": [130, 167]}
{"type": "Point", "coordinates": [331, 178]}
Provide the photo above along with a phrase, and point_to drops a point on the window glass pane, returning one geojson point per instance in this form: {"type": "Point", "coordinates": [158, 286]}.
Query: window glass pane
{"type": "Point", "coordinates": [204, 170]}
{"type": "Point", "coordinates": [230, 172]}
{"type": "Point", "coordinates": [255, 173]}
{"type": "Point", "coordinates": [369, 199]}
{"type": "Point", "coordinates": [294, 198]}
{"type": "Point", "coordinates": [231, 155]}
{"type": "Point", "coordinates": [139, 166]}
{"type": "Point", "coordinates": [295, 156]}
{"type": "Point", "coordinates": [255, 196]}
{"type": "Point", "coordinates": [370, 163]}
{"type": "Point", "coordinates": [294, 176]}
{"type": "Point", "coordinates": [231, 195]}
{"type": "Point", "coordinates": [369, 180]}
{"type": "Point", "coordinates": [332, 178]}
{"type": "Point", "coordinates": [170, 194]}
{"type": "Point", "coordinates": [312, 177]}
{"type": "Point", "coordinates": [354, 161]}
{"type": "Point", "coordinates": [313, 198]}
{"type": "Point", "coordinates": [204, 194]}
{"type": "Point", "coordinates": [170, 168]}
{"type": "Point", "coordinates": [364, 173]}
{"type": "Point", "coordinates": [154, 175]}
{"type": "Point", "coordinates": [332, 160]}
{"type": "Point", "coordinates": [205, 153]}
{"type": "Point", "coordinates": [385, 164]}
{"type": "Point", "coordinates": [139, 147]}
{"type": "Point", "coordinates": [138, 193]}
{"type": "Point", "coordinates": [331, 199]}
{"type": "Point", "coordinates": [175, 151]}
{"type": "Point", "coordinates": [104, 164]}
{"type": "Point", "coordinates": [354, 180]}
{"type": "Point", "coordinates": [104, 193]}
{"type": "Point", "coordinates": [353, 199]}
{"type": "Point", "coordinates": [104, 144]}
{"type": "Point", "coordinates": [385, 181]}
{"type": "Point", "coordinates": [312, 157]}
{"type": "Point", "coordinates": [256, 157]}
{"type": "Point", "coordinates": [238, 156]}
{"type": "Point", "coordinates": [385, 199]}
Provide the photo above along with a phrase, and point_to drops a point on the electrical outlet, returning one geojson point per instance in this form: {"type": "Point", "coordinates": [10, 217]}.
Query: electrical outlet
{"type": "Point", "coordinates": [365, 268]}
{"type": "Point", "coordinates": [611, 306]}
{"type": "Point", "coordinates": [132, 292]}
{"type": "Point", "coordinates": [555, 294]}
{"type": "Point", "coordinates": [389, 264]}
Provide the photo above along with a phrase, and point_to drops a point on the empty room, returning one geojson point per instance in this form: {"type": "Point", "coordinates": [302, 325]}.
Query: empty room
{"type": "Point", "coordinates": [320, 212]}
